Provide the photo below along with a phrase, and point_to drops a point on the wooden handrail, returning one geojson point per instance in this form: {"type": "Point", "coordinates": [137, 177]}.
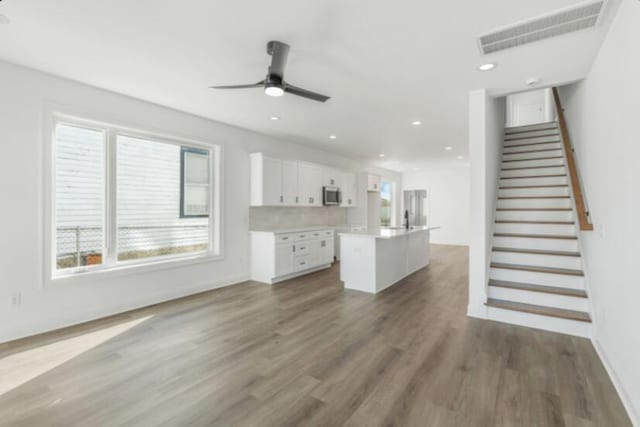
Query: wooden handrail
{"type": "Point", "coordinates": [583, 214]}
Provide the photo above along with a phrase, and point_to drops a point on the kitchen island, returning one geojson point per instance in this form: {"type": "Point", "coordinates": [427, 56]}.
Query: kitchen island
{"type": "Point", "coordinates": [373, 260]}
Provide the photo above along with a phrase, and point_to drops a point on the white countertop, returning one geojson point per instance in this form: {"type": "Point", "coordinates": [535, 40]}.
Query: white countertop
{"type": "Point", "coordinates": [388, 233]}
{"type": "Point", "coordinates": [294, 230]}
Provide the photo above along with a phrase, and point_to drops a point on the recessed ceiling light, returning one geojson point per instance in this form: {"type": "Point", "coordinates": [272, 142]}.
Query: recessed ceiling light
{"type": "Point", "coordinates": [332, 136]}
{"type": "Point", "coordinates": [275, 118]}
{"type": "Point", "coordinates": [4, 19]}
{"type": "Point", "coordinates": [416, 122]}
{"type": "Point", "coordinates": [487, 67]}
{"type": "Point", "coordinates": [381, 155]}
{"type": "Point", "coordinates": [459, 157]}
{"type": "Point", "coordinates": [448, 148]}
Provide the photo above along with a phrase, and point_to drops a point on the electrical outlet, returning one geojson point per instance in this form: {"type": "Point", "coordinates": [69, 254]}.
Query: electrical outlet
{"type": "Point", "coordinates": [16, 299]}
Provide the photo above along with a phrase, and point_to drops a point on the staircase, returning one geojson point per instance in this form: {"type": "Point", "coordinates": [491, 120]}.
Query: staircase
{"type": "Point", "coordinates": [536, 276]}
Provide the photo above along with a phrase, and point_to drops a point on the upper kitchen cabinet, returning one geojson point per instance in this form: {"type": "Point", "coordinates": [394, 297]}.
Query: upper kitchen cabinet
{"type": "Point", "coordinates": [333, 177]}
{"type": "Point", "coordinates": [290, 183]}
{"type": "Point", "coordinates": [349, 187]}
{"type": "Point", "coordinates": [373, 182]}
{"type": "Point", "coordinates": [266, 180]}
{"type": "Point", "coordinates": [310, 182]}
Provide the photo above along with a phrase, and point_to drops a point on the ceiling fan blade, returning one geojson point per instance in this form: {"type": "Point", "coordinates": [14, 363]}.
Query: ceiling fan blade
{"type": "Point", "coordinates": [279, 53]}
{"type": "Point", "coordinates": [305, 93]}
{"type": "Point", "coordinates": [259, 84]}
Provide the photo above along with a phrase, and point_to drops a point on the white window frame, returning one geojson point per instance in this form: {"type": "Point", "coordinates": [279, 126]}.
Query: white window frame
{"type": "Point", "coordinates": [110, 265]}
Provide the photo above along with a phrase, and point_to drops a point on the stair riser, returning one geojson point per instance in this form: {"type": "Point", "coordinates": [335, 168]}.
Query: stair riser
{"type": "Point", "coordinates": [533, 163]}
{"type": "Point", "coordinates": [547, 279]}
{"type": "Point", "coordinates": [534, 215]}
{"type": "Point", "coordinates": [534, 204]}
{"type": "Point", "coordinates": [555, 261]}
{"type": "Point", "coordinates": [556, 180]}
{"type": "Point", "coordinates": [532, 192]}
{"type": "Point", "coordinates": [547, 323]}
{"type": "Point", "coordinates": [545, 146]}
{"type": "Point", "coordinates": [520, 142]}
{"type": "Point", "coordinates": [536, 155]}
{"type": "Point", "coordinates": [531, 243]}
{"type": "Point", "coordinates": [531, 134]}
{"type": "Point", "coordinates": [526, 128]}
{"type": "Point", "coordinates": [560, 170]}
{"type": "Point", "coordinates": [569, 230]}
{"type": "Point", "coordinates": [539, 298]}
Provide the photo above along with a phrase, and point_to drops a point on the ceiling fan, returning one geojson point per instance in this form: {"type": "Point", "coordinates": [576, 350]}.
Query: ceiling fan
{"type": "Point", "coordinates": [274, 84]}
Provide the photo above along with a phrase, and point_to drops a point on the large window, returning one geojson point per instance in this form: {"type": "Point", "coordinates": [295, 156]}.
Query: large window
{"type": "Point", "coordinates": [123, 198]}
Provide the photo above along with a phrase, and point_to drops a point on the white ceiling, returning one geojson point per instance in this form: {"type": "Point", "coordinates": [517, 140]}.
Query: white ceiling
{"type": "Point", "coordinates": [385, 63]}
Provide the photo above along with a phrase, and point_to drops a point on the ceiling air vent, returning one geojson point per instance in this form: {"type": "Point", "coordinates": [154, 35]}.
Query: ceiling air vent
{"type": "Point", "coordinates": [576, 18]}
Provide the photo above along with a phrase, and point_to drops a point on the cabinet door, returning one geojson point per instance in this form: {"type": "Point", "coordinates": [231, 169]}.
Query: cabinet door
{"type": "Point", "coordinates": [349, 188]}
{"type": "Point", "coordinates": [290, 183]}
{"type": "Point", "coordinates": [284, 259]}
{"type": "Point", "coordinates": [374, 182]}
{"type": "Point", "coordinates": [310, 179]}
{"type": "Point", "coordinates": [332, 177]}
{"type": "Point", "coordinates": [326, 251]}
{"type": "Point", "coordinates": [271, 181]}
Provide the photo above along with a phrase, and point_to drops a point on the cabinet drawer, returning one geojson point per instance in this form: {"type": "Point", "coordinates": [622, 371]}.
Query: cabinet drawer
{"type": "Point", "coordinates": [302, 248]}
{"type": "Point", "coordinates": [316, 234]}
{"type": "Point", "coordinates": [327, 233]}
{"type": "Point", "coordinates": [285, 238]}
{"type": "Point", "coordinates": [302, 263]}
{"type": "Point", "coordinates": [301, 236]}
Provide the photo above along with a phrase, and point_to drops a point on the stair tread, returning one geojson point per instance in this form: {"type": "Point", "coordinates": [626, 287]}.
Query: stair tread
{"type": "Point", "coordinates": [531, 127]}
{"type": "Point", "coordinates": [531, 159]}
{"type": "Point", "coordinates": [579, 293]}
{"type": "Point", "coordinates": [530, 143]}
{"type": "Point", "coordinates": [521, 136]}
{"type": "Point", "coordinates": [513, 187]}
{"type": "Point", "coordinates": [534, 176]}
{"type": "Point", "coordinates": [533, 209]}
{"type": "Point", "coordinates": [539, 309]}
{"type": "Point", "coordinates": [534, 151]}
{"type": "Point", "coordinates": [538, 269]}
{"type": "Point", "coordinates": [536, 251]}
{"type": "Point", "coordinates": [532, 197]}
{"type": "Point", "coordinates": [532, 167]}
{"type": "Point", "coordinates": [504, 221]}
{"type": "Point", "coordinates": [537, 236]}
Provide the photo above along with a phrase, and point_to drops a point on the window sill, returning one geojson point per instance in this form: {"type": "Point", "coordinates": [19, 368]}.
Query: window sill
{"type": "Point", "coordinates": [132, 268]}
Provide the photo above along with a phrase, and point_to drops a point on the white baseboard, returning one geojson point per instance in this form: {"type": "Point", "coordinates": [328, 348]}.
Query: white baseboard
{"type": "Point", "coordinates": [48, 325]}
{"type": "Point", "coordinates": [477, 311]}
{"type": "Point", "coordinates": [634, 413]}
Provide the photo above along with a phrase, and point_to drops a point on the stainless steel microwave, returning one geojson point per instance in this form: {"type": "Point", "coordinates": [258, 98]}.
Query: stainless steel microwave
{"type": "Point", "coordinates": [331, 196]}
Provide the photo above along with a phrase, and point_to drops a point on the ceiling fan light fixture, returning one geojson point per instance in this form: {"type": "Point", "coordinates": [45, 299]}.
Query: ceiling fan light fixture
{"type": "Point", "coordinates": [274, 90]}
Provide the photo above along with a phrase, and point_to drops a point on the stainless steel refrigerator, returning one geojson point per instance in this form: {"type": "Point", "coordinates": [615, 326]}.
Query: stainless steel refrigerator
{"type": "Point", "coordinates": [415, 207]}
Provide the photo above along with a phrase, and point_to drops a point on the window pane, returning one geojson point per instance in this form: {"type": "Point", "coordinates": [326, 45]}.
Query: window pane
{"type": "Point", "coordinates": [148, 211]}
{"type": "Point", "coordinates": [195, 191]}
{"type": "Point", "coordinates": [385, 200]}
{"type": "Point", "coordinates": [79, 196]}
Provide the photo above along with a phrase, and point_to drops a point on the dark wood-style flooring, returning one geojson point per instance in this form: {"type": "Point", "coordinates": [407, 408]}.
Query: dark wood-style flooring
{"type": "Point", "coordinates": [307, 352]}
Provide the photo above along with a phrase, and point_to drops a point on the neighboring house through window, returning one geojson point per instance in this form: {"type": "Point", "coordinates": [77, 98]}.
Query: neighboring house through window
{"type": "Point", "coordinates": [120, 198]}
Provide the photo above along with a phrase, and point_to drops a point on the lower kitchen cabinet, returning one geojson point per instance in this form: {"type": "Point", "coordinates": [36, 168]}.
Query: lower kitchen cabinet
{"type": "Point", "coordinates": [277, 256]}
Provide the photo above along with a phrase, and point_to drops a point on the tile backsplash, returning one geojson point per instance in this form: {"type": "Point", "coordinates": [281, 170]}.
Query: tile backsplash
{"type": "Point", "coordinates": [272, 218]}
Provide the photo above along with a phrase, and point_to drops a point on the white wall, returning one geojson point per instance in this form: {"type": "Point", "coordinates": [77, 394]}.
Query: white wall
{"type": "Point", "coordinates": [602, 115]}
{"type": "Point", "coordinates": [486, 129]}
{"type": "Point", "coordinates": [25, 95]}
{"type": "Point", "coordinates": [448, 195]}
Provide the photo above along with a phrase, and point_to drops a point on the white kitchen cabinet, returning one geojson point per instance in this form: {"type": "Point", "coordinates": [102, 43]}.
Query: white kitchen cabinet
{"type": "Point", "coordinates": [332, 177]}
{"type": "Point", "coordinates": [349, 190]}
{"type": "Point", "coordinates": [284, 259]}
{"type": "Point", "coordinates": [290, 182]}
{"type": "Point", "coordinates": [310, 179]}
{"type": "Point", "coordinates": [266, 180]}
{"type": "Point", "coordinates": [277, 256]}
{"type": "Point", "coordinates": [373, 182]}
